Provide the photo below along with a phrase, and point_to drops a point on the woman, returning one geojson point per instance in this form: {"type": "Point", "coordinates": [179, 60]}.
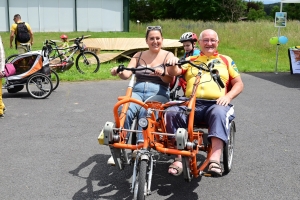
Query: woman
{"type": "Point", "coordinates": [2, 64]}
{"type": "Point", "coordinates": [147, 83]}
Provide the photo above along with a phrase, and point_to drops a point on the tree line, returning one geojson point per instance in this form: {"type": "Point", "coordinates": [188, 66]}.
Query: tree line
{"type": "Point", "coordinates": [209, 10]}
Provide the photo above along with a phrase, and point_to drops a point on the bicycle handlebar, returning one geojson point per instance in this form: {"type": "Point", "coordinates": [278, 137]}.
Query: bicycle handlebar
{"type": "Point", "coordinates": [122, 68]}
{"type": "Point", "coordinates": [78, 40]}
{"type": "Point", "coordinates": [209, 68]}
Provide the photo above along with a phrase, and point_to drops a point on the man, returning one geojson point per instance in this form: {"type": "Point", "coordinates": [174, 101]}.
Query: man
{"type": "Point", "coordinates": [213, 103]}
{"type": "Point", "coordinates": [13, 32]}
{"type": "Point", "coordinates": [2, 64]}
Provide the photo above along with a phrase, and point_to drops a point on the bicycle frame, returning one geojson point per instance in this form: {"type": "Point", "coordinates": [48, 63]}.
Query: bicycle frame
{"type": "Point", "coordinates": [189, 142]}
{"type": "Point", "coordinates": [72, 49]}
{"type": "Point", "coordinates": [155, 135]}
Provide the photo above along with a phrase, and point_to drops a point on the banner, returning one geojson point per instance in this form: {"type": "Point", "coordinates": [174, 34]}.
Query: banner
{"type": "Point", "coordinates": [294, 56]}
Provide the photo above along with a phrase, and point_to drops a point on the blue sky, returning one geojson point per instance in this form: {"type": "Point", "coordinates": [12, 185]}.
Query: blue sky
{"type": "Point", "coordinates": [270, 1]}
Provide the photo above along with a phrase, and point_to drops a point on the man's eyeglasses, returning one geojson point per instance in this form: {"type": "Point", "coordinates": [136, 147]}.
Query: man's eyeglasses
{"type": "Point", "coordinates": [213, 41]}
{"type": "Point", "coordinates": [150, 28]}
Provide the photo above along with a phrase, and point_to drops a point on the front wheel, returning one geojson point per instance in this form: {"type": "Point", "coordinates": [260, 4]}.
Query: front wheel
{"type": "Point", "coordinates": [140, 189]}
{"type": "Point", "coordinates": [54, 79]}
{"type": "Point", "coordinates": [39, 86]}
{"type": "Point", "coordinates": [87, 62]}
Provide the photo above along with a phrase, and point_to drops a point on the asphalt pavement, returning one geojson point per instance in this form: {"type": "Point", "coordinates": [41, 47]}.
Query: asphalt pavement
{"type": "Point", "coordinates": [49, 148]}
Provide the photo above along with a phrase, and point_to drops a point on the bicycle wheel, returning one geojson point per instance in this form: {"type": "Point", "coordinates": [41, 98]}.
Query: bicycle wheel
{"type": "Point", "coordinates": [54, 79]}
{"type": "Point", "coordinates": [87, 62]}
{"type": "Point", "coordinates": [228, 150]}
{"type": "Point", "coordinates": [10, 58]}
{"type": "Point", "coordinates": [39, 86]}
{"type": "Point", "coordinates": [140, 188]}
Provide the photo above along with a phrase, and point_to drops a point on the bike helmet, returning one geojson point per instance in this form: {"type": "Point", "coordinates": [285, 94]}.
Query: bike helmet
{"type": "Point", "coordinates": [64, 37]}
{"type": "Point", "coordinates": [188, 36]}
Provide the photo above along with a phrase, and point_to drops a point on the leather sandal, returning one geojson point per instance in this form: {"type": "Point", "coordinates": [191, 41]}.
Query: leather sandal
{"type": "Point", "coordinates": [178, 169]}
{"type": "Point", "coordinates": [212, 169]}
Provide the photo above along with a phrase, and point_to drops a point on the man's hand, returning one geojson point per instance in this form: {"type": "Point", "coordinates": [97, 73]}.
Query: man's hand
{"type": "Point", "coordinates": [224, 100]}
{"type": "Point", "coordinates": [172, 61]}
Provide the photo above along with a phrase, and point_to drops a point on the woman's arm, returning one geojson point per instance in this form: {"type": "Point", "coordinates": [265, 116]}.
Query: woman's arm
{"type": "Point", "coordinates": [167, 78]}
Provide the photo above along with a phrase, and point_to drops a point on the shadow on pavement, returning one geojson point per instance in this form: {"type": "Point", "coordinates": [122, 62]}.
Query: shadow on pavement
{"type": "Point", "coordinates": [108, 182]}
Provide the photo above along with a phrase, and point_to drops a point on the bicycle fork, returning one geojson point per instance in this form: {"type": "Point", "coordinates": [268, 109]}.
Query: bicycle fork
{"type": "Point", "coordinates": [143, 155]}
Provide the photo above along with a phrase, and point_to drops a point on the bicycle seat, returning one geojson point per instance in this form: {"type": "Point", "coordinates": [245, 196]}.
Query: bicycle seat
{"type": "Point", "coordinates": [157, 98]}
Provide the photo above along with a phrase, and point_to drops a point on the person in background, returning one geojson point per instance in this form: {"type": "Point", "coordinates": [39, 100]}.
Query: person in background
{"type": "Point", "coordinates": [212, 105]}
{"type": "Point", "coordinates": [2, 64]}
{"type": "Point", "coordinates": [26, 34]}
{"type": "Point", "coordinates": [65, 44]}
{"type": "Point", "coordinates": [188, 41]}
{"type": "Point", "coordinates": [148, 83]}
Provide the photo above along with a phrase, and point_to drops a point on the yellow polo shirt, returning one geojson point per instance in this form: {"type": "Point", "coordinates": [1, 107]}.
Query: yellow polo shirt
{"type": "Point", "coordinates": [208, 88]}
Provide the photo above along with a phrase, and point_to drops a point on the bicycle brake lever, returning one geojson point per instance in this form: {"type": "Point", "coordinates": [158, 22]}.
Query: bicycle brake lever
{"type": "Point", "coordinates": [120, 68]}
{"type": "Point", "coordinates": [211, 65]}
{"type": "Point", "coordinates": [217, 79]}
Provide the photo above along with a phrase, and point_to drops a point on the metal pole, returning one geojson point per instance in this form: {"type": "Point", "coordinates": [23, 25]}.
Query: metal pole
{"type": "Point", "coordinates": [278, 43]}
{"type": "Point", "coordinates": [277, 47]}
{"type": "Point", "coordinates": [7, 4]}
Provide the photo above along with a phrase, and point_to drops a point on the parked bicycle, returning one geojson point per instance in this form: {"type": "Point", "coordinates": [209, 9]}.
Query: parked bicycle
{"type": "Point", "coordinates": [54, 75]}
{"type": "Point", "coordinates": [61, 59]}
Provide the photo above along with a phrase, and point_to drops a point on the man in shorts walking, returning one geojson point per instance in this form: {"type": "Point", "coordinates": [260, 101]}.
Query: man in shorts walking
{"type": "Point", "coordinates": [25, 35]}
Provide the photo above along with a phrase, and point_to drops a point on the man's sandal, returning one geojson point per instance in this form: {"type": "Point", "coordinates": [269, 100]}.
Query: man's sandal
{"type": "Point", "coordinates": [212, 169]}
{"type": "Point", "coordinates": [178, 169]}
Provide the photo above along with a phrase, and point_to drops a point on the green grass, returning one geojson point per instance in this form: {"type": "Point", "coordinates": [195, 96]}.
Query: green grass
{"type": "Point", "coordinates": [246, 42]}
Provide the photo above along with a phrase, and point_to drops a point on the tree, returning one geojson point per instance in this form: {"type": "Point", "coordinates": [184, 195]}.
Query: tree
{"type": "Point", "coordinates": [233, 9]}
{"type": "Point", "coordinates": [205, 10]}
{"type": "Point", "coordinates": [293, 10]}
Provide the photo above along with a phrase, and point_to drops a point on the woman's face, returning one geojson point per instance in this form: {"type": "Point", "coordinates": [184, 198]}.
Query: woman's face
{"type": "Point", "coordinates": [154, 40]}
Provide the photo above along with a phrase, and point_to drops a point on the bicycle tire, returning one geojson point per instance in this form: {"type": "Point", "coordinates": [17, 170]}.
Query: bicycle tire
{"type": "Point", "coordinates": [87, 62]}
{"type": "Point", "coordinates": [142, 185]}
{"type": "Point", "coordinates": [229, 149]}
{"type": "Point", "coordinates": [39, 86]}
{"type": "Point", "coordinates": [10, 58]}
{"type": "Point", "coordinates": [54, 79]}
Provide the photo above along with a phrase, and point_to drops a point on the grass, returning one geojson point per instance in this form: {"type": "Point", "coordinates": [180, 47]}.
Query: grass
{"type": "Point", "coordinates": [246, 42]}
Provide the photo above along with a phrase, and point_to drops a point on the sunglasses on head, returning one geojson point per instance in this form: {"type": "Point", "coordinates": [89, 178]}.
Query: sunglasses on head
{"type": "Point", "coordinates": [149, 28]}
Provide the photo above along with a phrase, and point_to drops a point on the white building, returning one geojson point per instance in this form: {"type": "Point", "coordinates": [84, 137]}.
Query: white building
{"type": "Point", "coordinates": [67, 15]}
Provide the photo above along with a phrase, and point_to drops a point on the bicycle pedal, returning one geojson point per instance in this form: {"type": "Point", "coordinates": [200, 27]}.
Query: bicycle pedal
{"type": "Point", "coordinates": [206, 175]}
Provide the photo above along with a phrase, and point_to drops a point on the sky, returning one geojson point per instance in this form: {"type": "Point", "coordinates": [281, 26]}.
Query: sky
{"type": "Point", "coordinates": [275, 1]}
{"type": "Point", "coordinates": [270, 1]}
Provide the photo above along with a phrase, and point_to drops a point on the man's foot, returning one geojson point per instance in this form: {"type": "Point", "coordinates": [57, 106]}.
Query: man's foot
{"type": "Point", "coordinates": [111, 161]}
{"type": "Point", "coordinates": [1, 115]}
{"type": "Point", "coordinates": [214, 169]}
{"type": "Point", "coordinates": [175, 168]}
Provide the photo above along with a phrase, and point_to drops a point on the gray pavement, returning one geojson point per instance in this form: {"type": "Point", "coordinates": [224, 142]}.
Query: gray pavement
{"type": "Point", "coordinates": [49, 148]}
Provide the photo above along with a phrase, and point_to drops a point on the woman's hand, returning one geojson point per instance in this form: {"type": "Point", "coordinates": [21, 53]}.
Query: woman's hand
{"type": "Point", "coordinates": [159, 72]}
{"type": "Point", "coordinates": [113, 71]}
